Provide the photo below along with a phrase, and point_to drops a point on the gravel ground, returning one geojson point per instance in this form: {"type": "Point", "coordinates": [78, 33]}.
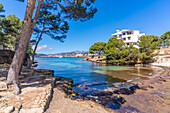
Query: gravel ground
{"type": "Point", "coordinates": [60, 104]}
{"type": "Point", "coordinates": [154, 97]}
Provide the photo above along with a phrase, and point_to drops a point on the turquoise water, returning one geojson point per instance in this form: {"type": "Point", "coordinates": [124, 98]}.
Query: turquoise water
{"type": "Point", "coordinates": [87, 73]}
{"type": "Point", "coordinates": [80, 71]}
{"type": "Point", "coordinates": [96, 82]}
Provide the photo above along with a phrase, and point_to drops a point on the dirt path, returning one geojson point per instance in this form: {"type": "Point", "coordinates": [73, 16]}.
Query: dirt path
{"type": "Point", "coordinates": [60, 104]}
{"type": "Point", "coordinates": [36, 87]}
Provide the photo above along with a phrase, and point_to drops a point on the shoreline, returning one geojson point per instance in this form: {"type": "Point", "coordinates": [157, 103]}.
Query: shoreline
{"type": "Point", "coordinates": [152, 97]}
{"type": "Point", "coordinates": [134, 102]}
{"type": "Point", "coordinates": [129, 97]}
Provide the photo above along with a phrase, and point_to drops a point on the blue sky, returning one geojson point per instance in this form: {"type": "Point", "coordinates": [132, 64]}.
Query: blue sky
{"type": "Point", "coordinates": [149, 16]}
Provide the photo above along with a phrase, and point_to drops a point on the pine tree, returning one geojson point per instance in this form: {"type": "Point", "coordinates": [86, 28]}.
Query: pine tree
{"type": "Point", "coordinates": [71, 9]}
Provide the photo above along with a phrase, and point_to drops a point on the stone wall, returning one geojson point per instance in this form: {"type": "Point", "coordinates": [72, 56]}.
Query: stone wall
{"type": "Point", "coordinates": [6, 56]}
{"type": "Point", "coordinates": [37, 89]}
{"type": "Point", "coordinates": [165, 51]}
{"type": "Point", "coordinates": [163, 57]}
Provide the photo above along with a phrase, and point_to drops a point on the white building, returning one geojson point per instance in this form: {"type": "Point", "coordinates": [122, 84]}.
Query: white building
{"type": "Point", "coordinates": [129, 36]}
{"type": "Point", "coordinates": [79, 55]}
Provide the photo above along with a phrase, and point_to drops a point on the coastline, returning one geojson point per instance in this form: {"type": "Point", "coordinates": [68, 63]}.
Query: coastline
{"type": "Point", "coordinates": [146, 99]}
{"type": "Point", "coordinates": [62, 103]}
{"type": "Point", "coordinates": [152, 97]}
{"type": "Point", "coordinates": [120, 92]}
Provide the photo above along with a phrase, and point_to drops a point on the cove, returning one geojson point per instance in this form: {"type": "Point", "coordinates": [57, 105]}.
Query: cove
{"type": "Point", "coordinates": [93, 75]}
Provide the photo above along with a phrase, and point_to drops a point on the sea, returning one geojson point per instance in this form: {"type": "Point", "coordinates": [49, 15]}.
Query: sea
{"type": "Point", "coordinates": [92, 75]}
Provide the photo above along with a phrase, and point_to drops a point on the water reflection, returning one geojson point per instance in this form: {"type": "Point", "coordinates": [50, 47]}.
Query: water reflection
{"type": "Point", "coordinates": [101, 80]}
{"type": "Point", "coordinates": [126, 72]}
{"type": "Point", "coordinates": [84, 72]}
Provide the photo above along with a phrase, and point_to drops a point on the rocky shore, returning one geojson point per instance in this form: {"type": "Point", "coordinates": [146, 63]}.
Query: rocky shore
{"type": "Point", "coordinates": [63, 101]}
{"type": "Point", "coordinates": [152, 97]}
{"type": "Point", "coordinates": [149, 96]}
{"type": "Point", "coordinates": [37, 86]}
{"type": "Point", "coordinates": [42, 92]}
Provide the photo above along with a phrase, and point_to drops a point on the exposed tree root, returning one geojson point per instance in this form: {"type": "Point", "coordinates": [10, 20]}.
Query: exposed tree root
{"type": "Point", "coordinates": [16, 86]}
{"type": "Point", "coordinates": [19, 108]}
{"type": "Point", "coordinates": [1, 86]}
{"type": "Point", "coordinates": [6, 89]}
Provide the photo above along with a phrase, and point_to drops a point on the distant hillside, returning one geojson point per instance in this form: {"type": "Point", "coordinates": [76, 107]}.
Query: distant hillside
{"type": "Point", "coordinates": [65, 54]}
{"type": "Point", "coordinates": [40, 55]}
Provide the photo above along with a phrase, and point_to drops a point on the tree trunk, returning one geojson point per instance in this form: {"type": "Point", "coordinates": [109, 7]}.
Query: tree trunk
{"type": "Point", "coordinates": [20, 52]}
{"type": "Point", "coordinates": [36, 45]}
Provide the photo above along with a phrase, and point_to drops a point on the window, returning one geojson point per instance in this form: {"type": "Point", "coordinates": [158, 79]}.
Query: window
{"type": "Point", "coordinates": [124, 39]}
{"type": "Point", "coordinates": [134, 43]}
{"type": "Point", "coordinates": [129, 38]}
{"type": "Point", "coordinates": [119, 36]}
{"type": "Point", "coordinates": [127, 43]}
{"type": "Point", "coordinates": [128, 33]}
{"type": "Point", "coordinates": [124, 33]}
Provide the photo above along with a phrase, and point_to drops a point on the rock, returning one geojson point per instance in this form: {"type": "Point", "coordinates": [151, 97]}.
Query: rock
{"type": "Point", "coordinates": [139, 65]}
{"type": "Point", "coordinates": [32, 110]}
{"type": "Point", "coordinates": [123, 91]}
{"type": "Point", "coordinates": [68, 80]}
{"type": "Point", "coordinates": [24, 70]}
{"type": "Point", "coordinates": [2, 78]}
{"type": "Point", "coordinates": [45, 72]}
{"type": "Point", "coordinates": [85, 59]}
{"type": "Point", "coordinates": [6, 57]}
{"type": "Point", "coordinates": [26, 74]}
{"type": "Point", "coordinates": [102, 93]}
{"type": "Point", "coordinates": [35, 61]}
{"type": "Point", "coordinates": [144, 88]}
{"type": "Point", "coordinates": [34, 65]}
{"type": "Point", "coordinates": [134, 87]}
{"type": "Point", "coordinates": [127, 91]}
{"type": "Point", "coordinates": [9, 109]}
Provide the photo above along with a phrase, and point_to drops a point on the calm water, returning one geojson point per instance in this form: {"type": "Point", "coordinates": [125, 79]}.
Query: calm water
{"type": "Point", "coordinates": [87, 73]}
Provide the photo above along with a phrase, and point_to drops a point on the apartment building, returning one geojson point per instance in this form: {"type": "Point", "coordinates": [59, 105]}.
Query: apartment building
{"type": "Point", "coordinates": [129, 36]}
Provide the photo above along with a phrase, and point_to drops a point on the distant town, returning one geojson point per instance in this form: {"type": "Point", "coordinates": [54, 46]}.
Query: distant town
{"type": "Point", "coordinates": [66, 54]}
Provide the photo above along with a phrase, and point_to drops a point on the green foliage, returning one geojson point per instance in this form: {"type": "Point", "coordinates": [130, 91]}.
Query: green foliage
{"type": "Point", "coordinates": [148, 42]}
{"type": "Point", "coordinates": [29, 49]}
{"type": "Point", "coordinates": [1, 10]}
{"type": "Point", "coordinates": [31, 44]}
{"type": "Point", "coordinates": [2, 34]}
{"type": "Point", "coordinates": [118, 53]}
{"type": "Point", "coordinates": [114, 45]}
{"type": "Point", "coordinates": [72, 9]}
{"type": "Point", "coordinates": [97, 47]}
{"type": "Point", "coordinates": [10, 30]}
{"type": "Point", "coordinates": [55, 14]}
{"type": "Point", "coordinates": [165, 38]}
{"type": "Point", "coordinates": [147, 46]}
{"type": "Point", "coordinates": [52, 25]}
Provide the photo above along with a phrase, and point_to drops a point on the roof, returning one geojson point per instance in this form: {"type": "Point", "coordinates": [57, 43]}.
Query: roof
{"type": "Point", "coordinates": [124, 30]}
